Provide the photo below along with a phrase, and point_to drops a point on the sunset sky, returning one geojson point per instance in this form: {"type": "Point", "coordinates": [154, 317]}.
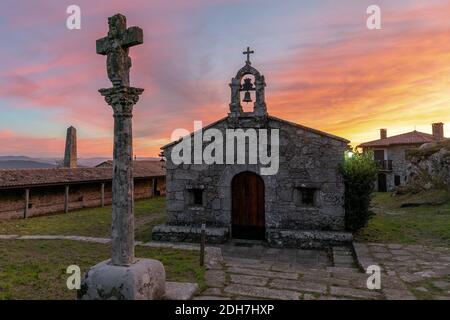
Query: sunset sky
{"type": "Point", "coordinates": [323, 67]}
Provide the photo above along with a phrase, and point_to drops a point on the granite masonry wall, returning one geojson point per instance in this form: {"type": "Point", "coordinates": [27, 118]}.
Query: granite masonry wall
{"type": "Point", "coordinates": [308, 159]}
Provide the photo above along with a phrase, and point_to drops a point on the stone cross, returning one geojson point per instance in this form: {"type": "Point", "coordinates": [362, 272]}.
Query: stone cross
{"type": "Point", "coordinates": [248, 53]}
{"type": "Point", "coordinates": [116, 46]}
{"type": "Point", "coordinates": [121, 97]}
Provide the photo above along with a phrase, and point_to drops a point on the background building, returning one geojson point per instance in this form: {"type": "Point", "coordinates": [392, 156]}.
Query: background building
{"type": "Point", "coordinates": [391, 154]}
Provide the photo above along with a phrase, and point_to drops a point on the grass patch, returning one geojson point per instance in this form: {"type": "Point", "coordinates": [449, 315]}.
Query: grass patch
{"type": "Point", "coordinates": [93, 222]}
{"type": "Point", "coordinates": [37, 269]}
{"type": "Point", "coordinates": [428, 223]}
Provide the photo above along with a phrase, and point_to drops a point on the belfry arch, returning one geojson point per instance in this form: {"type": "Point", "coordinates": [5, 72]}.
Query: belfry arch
{"type": "Point", "coordinates": [238, 84]}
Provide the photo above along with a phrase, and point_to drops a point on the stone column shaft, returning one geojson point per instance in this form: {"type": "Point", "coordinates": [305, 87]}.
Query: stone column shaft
{"type": "Point", "coordinates": [122, 99]}
{"type": "Point", "coordinates": [235, 104]}
{"type": "Point", "coordinates": [122, 192]}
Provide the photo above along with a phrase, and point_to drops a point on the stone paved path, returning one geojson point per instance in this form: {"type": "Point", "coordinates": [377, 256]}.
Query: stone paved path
{"type": "Point", "coordinates": [253, 271]}
{"type": "Point", "coordinates": [256, 272]}
{"type": "Point", "coordinates": [409, 271]}
{"type": "Point", "coordinates": [257, 251]}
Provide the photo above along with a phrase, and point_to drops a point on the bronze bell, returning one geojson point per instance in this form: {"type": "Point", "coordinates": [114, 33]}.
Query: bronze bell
{"type": "Point", "coordinates": [247, 97]}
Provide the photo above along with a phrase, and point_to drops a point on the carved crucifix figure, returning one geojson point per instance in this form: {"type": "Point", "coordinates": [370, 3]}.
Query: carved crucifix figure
{"type": "Point", "coordinates": [116, 45]}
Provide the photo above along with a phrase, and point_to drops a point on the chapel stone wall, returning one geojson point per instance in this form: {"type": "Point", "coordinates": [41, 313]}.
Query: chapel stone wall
{"type": "Point", "coordinates": [307, 160]}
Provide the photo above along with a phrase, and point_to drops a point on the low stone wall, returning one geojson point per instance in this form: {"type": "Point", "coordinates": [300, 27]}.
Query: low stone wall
{"type": "Point", "coordinates": [275, 238]}
{"type": "Point", "coordinates": [307, 239]}
{"type": "Point", "coordinates": [46, 200]}
{"type": "Point", "coordinates": [170, 233]}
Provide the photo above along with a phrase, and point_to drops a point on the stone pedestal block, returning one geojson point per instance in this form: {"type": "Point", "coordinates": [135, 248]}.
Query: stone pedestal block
{"type": "Point", "coordinates": [145, 279]}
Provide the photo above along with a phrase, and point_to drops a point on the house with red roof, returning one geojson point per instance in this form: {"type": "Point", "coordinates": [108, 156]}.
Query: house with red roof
{"type": "Point", "coordinates": [391, 154]}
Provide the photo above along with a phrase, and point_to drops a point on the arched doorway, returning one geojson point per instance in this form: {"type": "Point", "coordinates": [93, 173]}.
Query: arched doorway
{"type": "Point", "coordinates": [248, 216]}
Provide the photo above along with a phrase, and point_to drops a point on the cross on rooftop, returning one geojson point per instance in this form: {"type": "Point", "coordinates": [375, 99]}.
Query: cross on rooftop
{"type": "Point", "coordinates": [248, 53]}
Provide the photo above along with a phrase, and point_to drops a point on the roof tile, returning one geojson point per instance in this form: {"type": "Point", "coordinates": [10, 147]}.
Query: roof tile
{"type": "Point", "coordinates": [413, 137]}
{"type": "Point", "coordinates": [12, 178]}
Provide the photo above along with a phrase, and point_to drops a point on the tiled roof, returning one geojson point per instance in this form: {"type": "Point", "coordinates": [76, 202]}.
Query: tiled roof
{"type": "Point", "coordinates": [16, 178]}
{"type": "Point", "coordinates": [322, 133]}
{"type": "Point", "coordinates": [319, 132]}
{"type": "Point", "coordinates": [413, 137]}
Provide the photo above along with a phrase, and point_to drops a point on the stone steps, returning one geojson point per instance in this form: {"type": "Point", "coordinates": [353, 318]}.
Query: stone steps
{"type": "Point", "coordinates": [343, 257]}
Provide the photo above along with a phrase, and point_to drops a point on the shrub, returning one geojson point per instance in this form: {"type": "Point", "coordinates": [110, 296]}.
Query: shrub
{"type": "Point", "coordinates": [359, 172]}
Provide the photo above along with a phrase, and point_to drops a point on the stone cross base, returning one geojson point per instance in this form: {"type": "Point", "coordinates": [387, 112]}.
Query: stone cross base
{"type": "Point", "coordinates": [145, 279]}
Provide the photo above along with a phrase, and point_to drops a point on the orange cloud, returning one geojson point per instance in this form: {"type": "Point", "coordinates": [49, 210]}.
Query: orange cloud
{"type": "Point", "coordinates": [14, 143]}
{"type": "Point", "coordinates": [371, 79]}
{"type": "Point", "coordinates": [349, 84]}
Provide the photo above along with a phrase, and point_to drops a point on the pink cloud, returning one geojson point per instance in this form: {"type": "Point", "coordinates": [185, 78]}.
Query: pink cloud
{"type": "Point", "coordinates": [14, 143]}
{"type": "Point", "coordinates": [347, 84]}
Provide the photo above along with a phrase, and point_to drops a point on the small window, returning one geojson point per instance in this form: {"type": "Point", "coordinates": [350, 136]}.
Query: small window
{"type": "Point", "coordinates": [197, 197]}
{"type": "Point", "coordinates": [30, 205]}
{"type": "Point", "coordinates": [81, 198]}
{"type": "Point", "coordinates": [306, 196]}
{"type": "Point", "coordinates": [397, 181]}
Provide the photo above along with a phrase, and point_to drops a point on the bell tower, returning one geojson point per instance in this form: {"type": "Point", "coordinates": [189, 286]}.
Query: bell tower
{"type": "Point", "coordinates": [241, 83]}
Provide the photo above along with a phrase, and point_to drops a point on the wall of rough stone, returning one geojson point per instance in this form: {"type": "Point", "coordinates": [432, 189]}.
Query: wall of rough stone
{"type": "Point", "coordinates": [429, 167]}
{"type": "Point", "coordinates": [306, 159]}
{"type": "Point", "coordinates": [399, 165]}
{"type": "Point", "coordinates": [45, 200]}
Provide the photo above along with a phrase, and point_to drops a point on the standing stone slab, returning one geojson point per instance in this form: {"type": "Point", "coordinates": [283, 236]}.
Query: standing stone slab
{"type": "Point", "coordinates": [70, 153]}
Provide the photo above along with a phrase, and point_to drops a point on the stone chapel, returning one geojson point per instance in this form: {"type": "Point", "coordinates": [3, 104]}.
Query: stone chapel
{"type": "Point", "coordinates": [301, 205]}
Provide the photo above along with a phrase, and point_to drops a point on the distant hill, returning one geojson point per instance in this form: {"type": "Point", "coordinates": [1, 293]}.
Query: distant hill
{"type": "Point", "coordinates": [14, 158]}
{"type": "Point", "coordinates": [24, 164]}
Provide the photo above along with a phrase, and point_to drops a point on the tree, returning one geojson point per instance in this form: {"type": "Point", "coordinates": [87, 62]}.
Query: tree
{"type": "Point", "coordinates": [359, 171]}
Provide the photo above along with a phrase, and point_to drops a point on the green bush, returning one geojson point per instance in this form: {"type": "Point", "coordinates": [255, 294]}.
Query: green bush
{"type": "Point", "coordinates": [359, 172]}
